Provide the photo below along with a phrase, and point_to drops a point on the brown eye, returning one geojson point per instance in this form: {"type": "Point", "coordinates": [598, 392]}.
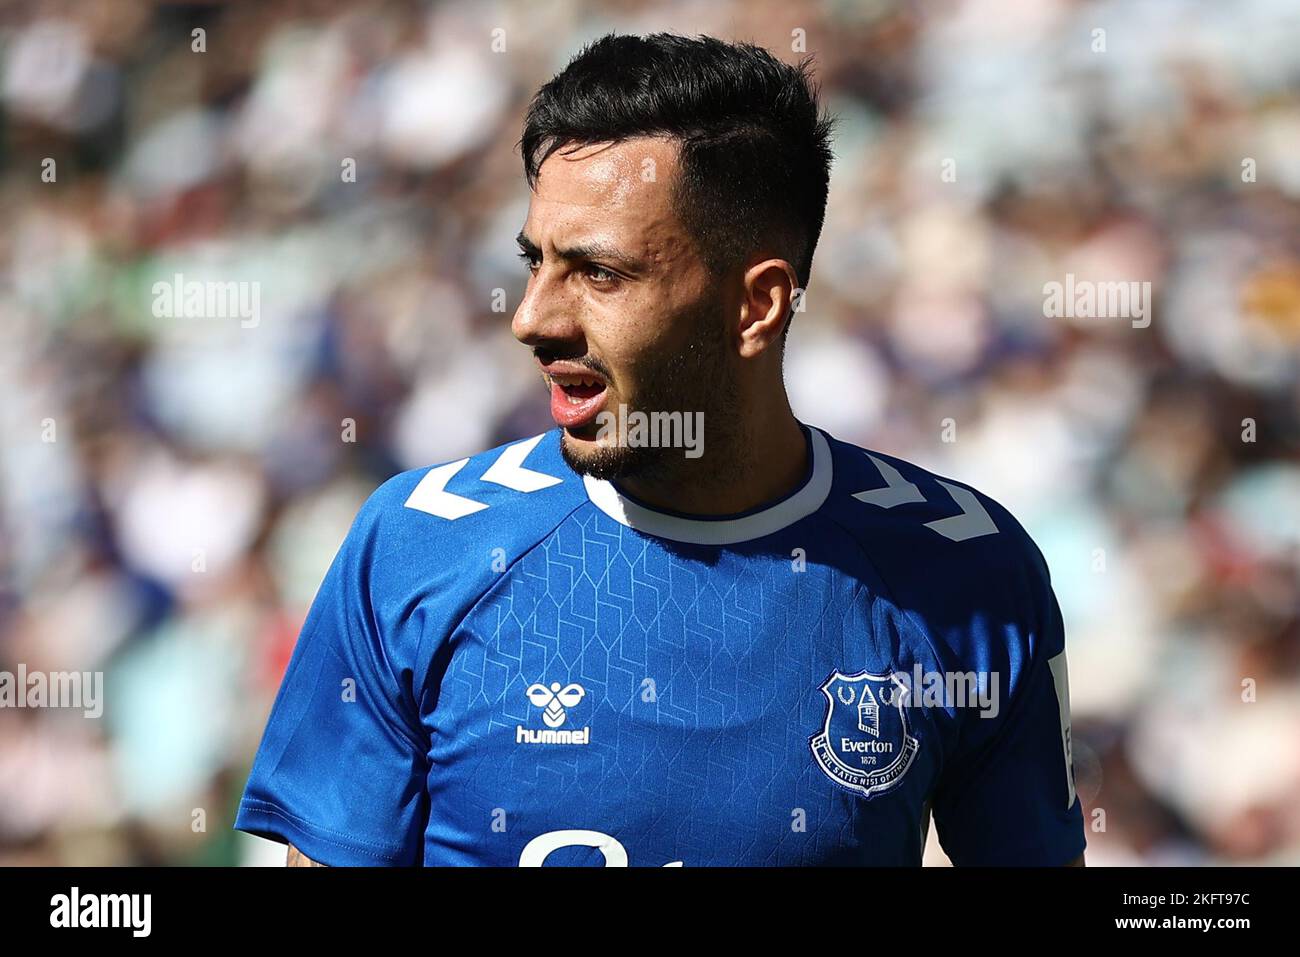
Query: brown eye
{"type": "Point", "coordinates": [600, 275]}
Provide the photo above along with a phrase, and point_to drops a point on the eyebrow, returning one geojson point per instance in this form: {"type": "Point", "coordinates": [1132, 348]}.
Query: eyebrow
{"type": "Point", "coordinates": [591, 250]}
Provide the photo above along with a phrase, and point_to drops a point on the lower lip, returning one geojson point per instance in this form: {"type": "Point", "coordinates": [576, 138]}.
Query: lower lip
{"type": "Point", "coordinates": [574, 415]}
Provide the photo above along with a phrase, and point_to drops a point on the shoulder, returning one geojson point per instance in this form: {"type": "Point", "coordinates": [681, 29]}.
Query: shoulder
{"type": "Point", "coordinates": [430, 542]}
{"type": "Point", "coordinates": [512, 488]}
{"type": "Point", "coordinates": [941, 546]}
{"type": "Point", "coordinates": [455, 525]}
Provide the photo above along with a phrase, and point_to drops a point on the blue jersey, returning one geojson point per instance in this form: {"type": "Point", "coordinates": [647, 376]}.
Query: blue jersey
{"type": "Point", "coordinates": [512, 664]}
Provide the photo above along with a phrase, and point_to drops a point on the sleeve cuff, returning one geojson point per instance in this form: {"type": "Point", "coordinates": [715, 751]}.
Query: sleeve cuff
{"type": "Point", "coordinates": [272, 822]}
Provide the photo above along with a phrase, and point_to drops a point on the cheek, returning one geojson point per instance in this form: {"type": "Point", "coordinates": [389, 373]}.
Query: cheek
{"type": "Point", "coordinates": [629, 336]}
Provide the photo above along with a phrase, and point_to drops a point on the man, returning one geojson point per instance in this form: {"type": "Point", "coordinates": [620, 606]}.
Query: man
{"type": "Point", "coordinates": [748, 644]}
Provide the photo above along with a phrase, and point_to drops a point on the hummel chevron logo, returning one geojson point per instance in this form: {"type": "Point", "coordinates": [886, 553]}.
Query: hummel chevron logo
{"type": "Point", "coordinates": [431, 494]}
{"type": "Point", "coordinates": [897, 491]}
{"type": "Point", "coordinates": [973, 521]}
{"type": "Point", "coordinates": [508, 470]}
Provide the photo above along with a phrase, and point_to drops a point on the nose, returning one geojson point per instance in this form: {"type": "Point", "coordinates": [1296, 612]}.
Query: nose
{"type": "Point", "coordinates": [545, 317]}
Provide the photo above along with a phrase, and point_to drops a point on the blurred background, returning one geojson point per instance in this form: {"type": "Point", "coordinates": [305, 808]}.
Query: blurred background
{"type": "Point", "coordinates": [173, 489]}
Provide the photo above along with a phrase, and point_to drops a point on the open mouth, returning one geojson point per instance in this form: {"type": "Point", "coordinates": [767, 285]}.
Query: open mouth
{"type": "Point", "coordinates": [576, 398]}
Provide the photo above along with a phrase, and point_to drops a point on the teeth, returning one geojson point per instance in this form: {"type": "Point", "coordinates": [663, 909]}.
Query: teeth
{"type": "Point", "coordinates": [567, 382]}
{"type": "Point", "coordinates": [585, 381]}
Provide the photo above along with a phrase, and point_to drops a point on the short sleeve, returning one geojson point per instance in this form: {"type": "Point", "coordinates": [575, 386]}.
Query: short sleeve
{"type": "Point", "coordinates": [1007, 796]}
{"type": "Point", "coordinates": [341, 770]}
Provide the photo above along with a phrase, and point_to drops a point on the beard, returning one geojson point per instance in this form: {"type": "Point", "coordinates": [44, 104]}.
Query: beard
{"type": "Point", "coordinates": [694, 379]}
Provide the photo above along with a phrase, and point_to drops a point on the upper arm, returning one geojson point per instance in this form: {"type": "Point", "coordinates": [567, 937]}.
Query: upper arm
{"type": "Point", "coordinates": [1007, 793]}
{"type": "Point", "coordinates": [341, 771]}
{"type": "Point", "coordinates": [296, 858]}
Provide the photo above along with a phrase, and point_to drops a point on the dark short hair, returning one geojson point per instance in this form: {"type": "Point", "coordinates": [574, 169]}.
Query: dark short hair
{"type": "Point", "coordinates": [755, 154]}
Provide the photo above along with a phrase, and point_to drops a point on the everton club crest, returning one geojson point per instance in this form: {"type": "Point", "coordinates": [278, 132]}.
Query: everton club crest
{"type": "Point", "coordinates": [864, 744]}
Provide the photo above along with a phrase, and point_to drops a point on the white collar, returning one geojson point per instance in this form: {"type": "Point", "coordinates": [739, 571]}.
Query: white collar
{"type": "Point", "coordinates": [726, 531]}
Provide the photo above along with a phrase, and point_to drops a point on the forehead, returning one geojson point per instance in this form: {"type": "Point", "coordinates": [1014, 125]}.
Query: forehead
{"type": "Point", "coordinates": [624, 186]}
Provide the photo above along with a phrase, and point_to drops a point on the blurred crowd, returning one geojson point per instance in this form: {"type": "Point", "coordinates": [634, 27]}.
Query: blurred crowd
{"type": "Point", "coordinates": [172, 489]}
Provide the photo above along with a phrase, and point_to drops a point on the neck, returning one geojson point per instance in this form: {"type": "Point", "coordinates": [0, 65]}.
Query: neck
{"type": "Point", "coordinates": [764, 460]}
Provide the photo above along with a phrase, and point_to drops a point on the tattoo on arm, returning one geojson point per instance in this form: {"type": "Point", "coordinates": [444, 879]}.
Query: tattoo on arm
{"type": "Point", "coordinates": [297, 858]}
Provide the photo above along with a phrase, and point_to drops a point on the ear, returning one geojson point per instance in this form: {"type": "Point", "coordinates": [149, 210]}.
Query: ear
{"type": "Point", "coordinates": [767, 295]}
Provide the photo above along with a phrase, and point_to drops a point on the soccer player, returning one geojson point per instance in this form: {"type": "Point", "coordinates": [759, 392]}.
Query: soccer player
{"type": "Point", "coordinates": [683, 628]}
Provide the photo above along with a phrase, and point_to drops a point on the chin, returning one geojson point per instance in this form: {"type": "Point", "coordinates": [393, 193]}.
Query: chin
{"type": "Point", "coordinates": [587, 456]}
